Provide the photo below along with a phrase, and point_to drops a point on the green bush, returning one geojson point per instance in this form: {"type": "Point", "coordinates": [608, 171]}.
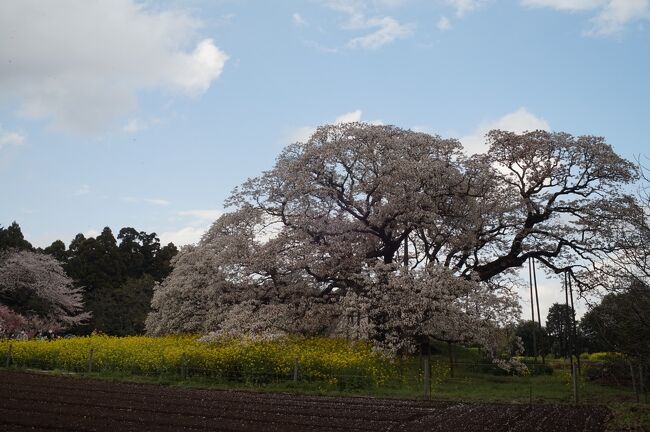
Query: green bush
{"type": "Point", "coordinates": [534, 368]}
{"type": "Point", "coordinates": [607, 368]}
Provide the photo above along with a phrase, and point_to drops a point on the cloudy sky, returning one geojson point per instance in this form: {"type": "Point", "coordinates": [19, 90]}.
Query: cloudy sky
{"type": "Point", "coordinates": [146, 114]}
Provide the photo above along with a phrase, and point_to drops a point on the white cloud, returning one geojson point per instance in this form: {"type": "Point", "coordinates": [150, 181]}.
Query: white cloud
{"type": "Point", "coordinates": [83, 190]}
{"type": "Point", "coordinates": [388, 30]}
{"type": "Point", "coordinates": [298, 20]}
{"type": "Point", "coordinates": [518, 121]}
{"type": "Point", "coordinates": [422, 128]}
{"type": "Point", "coordinates": [300, 134]}
{"type": "Point", "coordinates": [8, 138]}
{"type": "Point", "coordinates": [133, 126]}
{"type": "Point", "coordinates": [350, 7]}
{"type": "Point", "coordinates": [91, 233]}
{"type": "Point", "coordinates": [152, 201]}
{"type": "Point", "coordinates": [209, 215]}
{"type": "Point", "coordinates": [351, 117]}
{"type": "Point", "coordinates": [81, 64]}
{"type": "Point", "coordinates": [567, 5]}
{"type": "Point", "coordinates": [611, 15]}
{"type": "Point", "coordinates": [303, 133]}
{"type": "Point", "coordinates": [464, 6]}
{"type": "Point", "coordinates": [443, 24]}
{"type": "Point", "coordinates": [157, 201]}
{"type": "Point", "coordinates": [183, 236]}
{"type": "Point", "coordinates": [391, 3]}
{"type": "Point", "coordinates": [198, 222]}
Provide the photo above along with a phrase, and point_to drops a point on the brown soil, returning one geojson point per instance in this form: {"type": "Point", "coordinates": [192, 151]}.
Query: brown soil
{"type": "Point", "coordinates": [30, 401]}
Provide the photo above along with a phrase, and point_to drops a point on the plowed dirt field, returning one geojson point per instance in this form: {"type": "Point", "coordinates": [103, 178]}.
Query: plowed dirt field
{"type": "Point", "coordinates": [30, 401]}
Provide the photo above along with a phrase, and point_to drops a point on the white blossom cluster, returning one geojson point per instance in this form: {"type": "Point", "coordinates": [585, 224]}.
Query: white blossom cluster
{"type": "Point", "coordinates": [406, 308]}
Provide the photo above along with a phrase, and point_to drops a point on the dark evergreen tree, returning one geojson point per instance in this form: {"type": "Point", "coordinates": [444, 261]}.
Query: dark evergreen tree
{"type": "Point", "coordinates": [621, 322]}
{"type": "Point", "coordinates": [96, 265]}
{"type": "Point", "coordinates": [525, 331]}
{"type": "Point", "coordinates": [558, 327]}
{"type": "Point", "coordinates": [12, 238]}
{"type": "Point", "coordinates": [118, 278]}
{"type": "Point", "coordinates": [134, 303]}
{"type": "Point", "coordinates": [57, 250]}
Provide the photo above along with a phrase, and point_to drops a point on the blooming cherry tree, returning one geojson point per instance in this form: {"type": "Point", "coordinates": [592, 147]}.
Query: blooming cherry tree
{"type": "Point", "coordinates": [397, 236]}
{"type": "Point", "coordinates": [35, 287]}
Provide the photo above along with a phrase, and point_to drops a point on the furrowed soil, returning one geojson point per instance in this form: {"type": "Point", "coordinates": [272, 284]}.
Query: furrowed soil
{"type": "Point", "coordinates": [31, 401]}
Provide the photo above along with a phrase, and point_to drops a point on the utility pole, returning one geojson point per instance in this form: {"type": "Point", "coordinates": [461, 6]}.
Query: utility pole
{"type": "Point", "coordinates": [532, 306]}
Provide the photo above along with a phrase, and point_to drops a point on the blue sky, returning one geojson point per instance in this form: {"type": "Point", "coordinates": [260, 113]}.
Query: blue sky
{"type": "Point", "coordinates": [147, 114]}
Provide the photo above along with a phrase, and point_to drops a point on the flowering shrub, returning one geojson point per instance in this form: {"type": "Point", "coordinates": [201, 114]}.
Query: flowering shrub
{"type": "Point", "coordinates": [328, 360]}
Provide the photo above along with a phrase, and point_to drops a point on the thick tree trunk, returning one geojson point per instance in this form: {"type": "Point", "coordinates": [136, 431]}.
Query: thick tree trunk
{"type": "Point", "coordinates": [406, 252]}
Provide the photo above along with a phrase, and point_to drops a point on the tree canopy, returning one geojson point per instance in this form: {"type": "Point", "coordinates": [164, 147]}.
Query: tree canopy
{"type": "Point", "coordinates": [361, 217]}
{"type": "Point", "coordinates": [117, 279]}
{"type": "Point", "coordinates": [621, 322]}
{"type": "Point", "coordinates": [12, 237]}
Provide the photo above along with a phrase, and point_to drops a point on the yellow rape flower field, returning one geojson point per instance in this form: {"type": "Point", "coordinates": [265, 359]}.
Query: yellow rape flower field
{"type": "Point", "coordinates": [331, 361]}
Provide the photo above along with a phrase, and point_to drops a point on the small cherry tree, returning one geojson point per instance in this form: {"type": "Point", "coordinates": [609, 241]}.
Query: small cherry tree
{"type": "Point", "coordinates": [35, 287]}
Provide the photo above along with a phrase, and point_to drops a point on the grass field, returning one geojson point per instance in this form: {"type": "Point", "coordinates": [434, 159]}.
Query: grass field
{"type": "Point", "coordinates": [320, 365]}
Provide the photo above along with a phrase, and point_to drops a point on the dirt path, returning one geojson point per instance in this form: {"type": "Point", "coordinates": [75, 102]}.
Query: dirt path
{"type": "Point", "coordinates": [31, 401]}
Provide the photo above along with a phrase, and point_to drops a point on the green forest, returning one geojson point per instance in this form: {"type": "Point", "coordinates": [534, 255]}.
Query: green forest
{"type": "Point", "coordinates": [115, 274]}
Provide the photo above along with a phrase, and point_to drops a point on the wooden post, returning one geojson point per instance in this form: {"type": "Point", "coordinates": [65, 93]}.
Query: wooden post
{"type": "Point", "coordinates": [569, 345]}
{"type": "Point", "coordinates": [90, 359]}
{"type": "Point", "coordinates": [427, 378]}
{"type": "Point", "coordinates": [451, 359]}
{"type": "Point", "coordinates": [642, 390]}
{"type": "Point", "coordinates": [574, 374]}
{"type": "Point", "coordinates": [574, 327]}
{"type": "Point", "coordinates": [296, 369]}
{"type": "Point", "coordinates": [183, 366]}
{"type": "Point", "coordinates": [8, 360]}
{"type": "Point", "coordinates": [634, 384]}
{"type": "Point", "coordinates": [645, 388]}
